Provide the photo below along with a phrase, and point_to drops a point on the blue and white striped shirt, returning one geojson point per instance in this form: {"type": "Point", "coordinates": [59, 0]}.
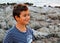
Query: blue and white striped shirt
{"type": "Point", "coordinates": [15, 36]}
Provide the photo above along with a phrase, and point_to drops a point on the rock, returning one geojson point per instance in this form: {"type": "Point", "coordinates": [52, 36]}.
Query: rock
{"type": "Point", "coordinates": [53, 28]}
{"type": "Point", "coordinates": [37, 16]}
{"type": "Point", "coordinates": [43, 23]}
{"type": "Point", "coordinates": [34, 9]}
{"type": "Point", "coordinates": [2, 34]}
{"type": "Point", "coordinates": [3, 24]}
{"type": "Point", "coordinates": [53, 16]}
{"type": "Point", "coordinates": [38, 41]}
{"type": "Point", "coordinates": [48, 20]}
{"type": "Point", "coordinates": [35, 25]}
{"type": "Point", "coordinates": [44, 30]}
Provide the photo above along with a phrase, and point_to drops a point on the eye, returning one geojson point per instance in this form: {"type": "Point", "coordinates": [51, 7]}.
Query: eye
{"type": "Point", "coordinates": [26, 15]}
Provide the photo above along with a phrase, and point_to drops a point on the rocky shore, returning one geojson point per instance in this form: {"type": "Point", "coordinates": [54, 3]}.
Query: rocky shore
{"type": "Point", "coordinates": [43, 19]}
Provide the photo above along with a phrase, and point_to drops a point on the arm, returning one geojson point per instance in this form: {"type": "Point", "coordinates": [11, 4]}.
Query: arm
{"type": "Point", "coordinates": [39, 35]}
{"type": "Point", "coordinates": [33, 42]}
{"type": "Point", "coordinates": [36, 33]}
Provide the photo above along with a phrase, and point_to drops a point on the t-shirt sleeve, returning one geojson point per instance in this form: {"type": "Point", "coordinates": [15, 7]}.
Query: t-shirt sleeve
{"type": "Point", "coordinates": [33, 37]}
{"type": "Point", "coordinates": [8, 38]}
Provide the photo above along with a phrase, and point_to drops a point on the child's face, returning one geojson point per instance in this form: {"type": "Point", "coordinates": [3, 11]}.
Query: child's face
{"type": "Point", "coordinates": [24, 17]}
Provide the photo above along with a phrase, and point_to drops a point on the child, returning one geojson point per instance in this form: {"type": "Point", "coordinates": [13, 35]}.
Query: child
{"type": "Point", "coordinates": [20, 33]}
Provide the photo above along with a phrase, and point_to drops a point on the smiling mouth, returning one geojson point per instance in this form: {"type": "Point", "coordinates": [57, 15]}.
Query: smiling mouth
{"type": "Point", "coordinates": [27, 20]}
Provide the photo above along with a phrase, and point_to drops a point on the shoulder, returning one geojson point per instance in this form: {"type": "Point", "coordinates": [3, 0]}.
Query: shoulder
{"type": "Point", "coordinates": [8, 36]}
{"type": "Point", "coordinates": [29, 29]}
{"type": "Point", "coordinates": [10, 31]}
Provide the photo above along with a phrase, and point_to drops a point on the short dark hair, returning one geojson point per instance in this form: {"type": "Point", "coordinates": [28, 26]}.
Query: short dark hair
{"type": "Point", "coordinates": [18, 8]}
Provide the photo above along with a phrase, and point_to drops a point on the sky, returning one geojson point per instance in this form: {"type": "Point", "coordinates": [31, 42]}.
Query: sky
{"type": "Point", "coordinates": [36, 2]}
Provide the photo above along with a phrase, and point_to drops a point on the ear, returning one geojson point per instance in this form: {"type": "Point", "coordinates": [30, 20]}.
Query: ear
{"type": "Point", "coordinates": [17, 18]}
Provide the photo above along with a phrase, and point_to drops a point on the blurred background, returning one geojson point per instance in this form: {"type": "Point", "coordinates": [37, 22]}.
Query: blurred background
{"type": "Point", "coordinates": [45, 17]}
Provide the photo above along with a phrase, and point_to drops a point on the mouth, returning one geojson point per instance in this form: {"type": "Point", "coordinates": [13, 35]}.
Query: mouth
{"type": "Point", "coordinates": [27, 20]}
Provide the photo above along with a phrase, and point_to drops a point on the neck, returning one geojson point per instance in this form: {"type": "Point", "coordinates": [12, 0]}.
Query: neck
{"type": "Point", "coordinates": [21, 27]}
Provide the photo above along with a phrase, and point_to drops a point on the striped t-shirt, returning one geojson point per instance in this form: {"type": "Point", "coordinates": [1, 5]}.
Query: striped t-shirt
{"type": "Point", "coordinates": [15, 36]}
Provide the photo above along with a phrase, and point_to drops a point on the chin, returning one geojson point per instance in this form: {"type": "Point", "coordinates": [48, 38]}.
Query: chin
{"type": "Point", "coordinates": [26, 23]}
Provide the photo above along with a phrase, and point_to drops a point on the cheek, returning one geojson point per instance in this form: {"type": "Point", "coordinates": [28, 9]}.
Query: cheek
{"type": "Point", "coordinates": [29, 17]}
{"type": "Point", "coordinates": [22, 20]}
